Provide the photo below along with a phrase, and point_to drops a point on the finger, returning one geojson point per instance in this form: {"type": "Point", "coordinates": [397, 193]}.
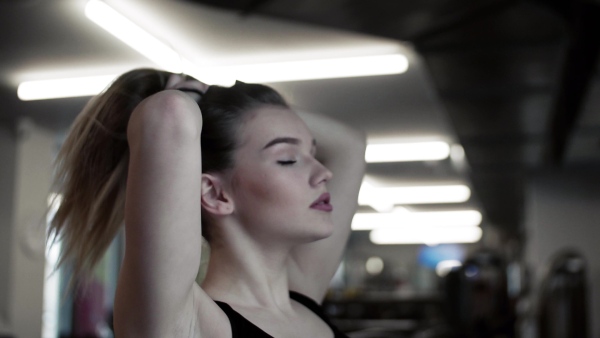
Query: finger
{"type": "Point", "coordinates": [174, 80]}
{"type": "Point", "coordinates": [194, 93]}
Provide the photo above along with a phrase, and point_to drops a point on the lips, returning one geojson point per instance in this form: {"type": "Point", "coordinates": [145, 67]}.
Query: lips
{"type": "Point", "coordinates": [322, 203]}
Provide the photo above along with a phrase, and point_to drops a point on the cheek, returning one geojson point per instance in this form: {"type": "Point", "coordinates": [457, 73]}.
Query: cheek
{"type": "Point", "coordinates": [268, 188]}
{"type": "Point", "coordinates": [255, 188]}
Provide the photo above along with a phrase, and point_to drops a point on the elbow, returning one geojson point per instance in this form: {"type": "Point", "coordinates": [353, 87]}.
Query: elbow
{"type": "Point", "coordinates": [361, 139]}
{"type": "Point", "coordinates": [169, 114]}
{"type": "Point", "coordinates": [358, 143]}
{"type": "Point", "coordinates": [350, 151]}
{"type": "Point", "coordinates": [359, 148]}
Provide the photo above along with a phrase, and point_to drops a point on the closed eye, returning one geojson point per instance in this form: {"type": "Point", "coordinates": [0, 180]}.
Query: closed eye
{"type": "Point", "coordinates": [286, 162]}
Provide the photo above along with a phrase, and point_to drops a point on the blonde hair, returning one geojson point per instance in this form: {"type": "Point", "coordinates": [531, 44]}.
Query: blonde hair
{"type": "Point", "coordinates": [91, 171]}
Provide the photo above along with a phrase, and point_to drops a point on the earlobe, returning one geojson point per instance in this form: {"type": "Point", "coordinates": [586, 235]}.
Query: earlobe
{"type": "Point", "coordinates": [214, 198]}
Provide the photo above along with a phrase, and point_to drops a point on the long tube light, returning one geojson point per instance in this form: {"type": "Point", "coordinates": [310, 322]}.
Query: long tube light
{"type": "Point", "coordinates": [303, 70]}
{"type": "Point", "coordinates": [444, 267]}
{"type": "Point", "coordinates": [257, 73]}
{"type": "Point", "coordinates": [404, 152]}
{"type": "Point", "coordinates": [426, 235]}
{"type": "Point", "coordinates": [226, 76]}
{"type": "Point", "coordinates": [163, 55]}
{"type": "Point", "coordinates": [384, 198]}
{"type": "Point", "coordinates": [404, 219]}
{"type": "Point", "coordinates": [132, 35]}
{"type": "Point", "coordinates": [68, 87]}
{"type": "Point", "coordinates": [167, 58]}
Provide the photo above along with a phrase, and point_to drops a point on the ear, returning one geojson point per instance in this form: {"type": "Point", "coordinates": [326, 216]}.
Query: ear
{"type": "Point", "coordinates": [215, 199]}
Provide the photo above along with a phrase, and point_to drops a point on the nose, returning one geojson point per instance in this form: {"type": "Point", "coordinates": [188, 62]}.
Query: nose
{"type": "Point", "coordinates": [321, 174]}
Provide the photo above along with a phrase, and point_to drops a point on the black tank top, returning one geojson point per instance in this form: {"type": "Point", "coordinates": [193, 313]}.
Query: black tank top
{"type": "Point", "coordinates": [243, 328]}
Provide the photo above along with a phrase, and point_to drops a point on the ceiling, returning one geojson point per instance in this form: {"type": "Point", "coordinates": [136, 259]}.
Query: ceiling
{"type": "Point", "coordinates": [514, 82]}
{"type": "Point", "coordinates": [518, 79]}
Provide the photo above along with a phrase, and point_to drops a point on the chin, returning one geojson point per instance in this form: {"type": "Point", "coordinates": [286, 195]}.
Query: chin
{"type": "Point", "coordinates": [325, 231]}
{"type": "Point", "coordinates": [325, 236]}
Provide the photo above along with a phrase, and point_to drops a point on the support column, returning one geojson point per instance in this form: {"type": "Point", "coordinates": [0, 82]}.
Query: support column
{"type": "Point", "coordinates": [7, 186]}
{"type": "Point", "coordinates": [32, 182]}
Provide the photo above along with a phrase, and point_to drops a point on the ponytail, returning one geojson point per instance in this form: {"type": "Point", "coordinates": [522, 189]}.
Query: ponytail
{"type": "Point", "coordinates": [92, 165]}
{"type": "Point", "coordinates": [91, 170]}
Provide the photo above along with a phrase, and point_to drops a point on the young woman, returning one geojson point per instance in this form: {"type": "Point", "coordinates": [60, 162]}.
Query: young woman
{"type": "Point", "coordinates": [272, 189]}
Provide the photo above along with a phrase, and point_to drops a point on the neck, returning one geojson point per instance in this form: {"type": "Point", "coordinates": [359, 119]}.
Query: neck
{"type": "Point", "coordinates": [249, 274]}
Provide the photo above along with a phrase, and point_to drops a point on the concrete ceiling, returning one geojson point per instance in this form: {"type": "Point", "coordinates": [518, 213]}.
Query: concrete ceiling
{"type": "Point", "coordinates": [45, 40]}
{"type": "Point", "coordinates": [518, 79]}
{"type": "Point", "coordinates": [485, 75]}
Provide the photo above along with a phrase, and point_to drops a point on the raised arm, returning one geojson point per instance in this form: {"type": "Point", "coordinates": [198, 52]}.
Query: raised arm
{"type": "Point", "coordinates": [156, 293]}
{"type": "Point", "coordinates": [342, 150]}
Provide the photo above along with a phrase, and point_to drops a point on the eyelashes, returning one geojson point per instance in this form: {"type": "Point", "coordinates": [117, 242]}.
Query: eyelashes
{"type": "Point", "coordinates": [286, 163]}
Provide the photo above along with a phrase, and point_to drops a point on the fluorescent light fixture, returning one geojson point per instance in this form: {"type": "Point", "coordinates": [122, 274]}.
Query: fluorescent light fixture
{"type": "Point", "coordinates": [457, 153]}
{"type": "Point", "coordinates": [444, 267]}
{"type": "Point", "coordinates": [305, 70]}
{"type": "Point", "coordinates": [69, 87]}
{"type": "Point", "coordinates": [168, 59]}
{"type": "Point", "coordinates": [164, 56]}
{"type": "Point", "coordinates": [132, 35]}
{"type": "Point", "coordinates": [405, 218]}
{"type": "Point", "coordinates": [426, 235]}
{"type": "Point", "coordinates": [374, 265]}
{"type": "Point", "coordinates": [380, 198]}
{"type": "Point", "coordinates": [368, 195]}
{"type": "Point", "coordinates": [225, 76]}
{"type": "Point", "coordinates": [406, 152]}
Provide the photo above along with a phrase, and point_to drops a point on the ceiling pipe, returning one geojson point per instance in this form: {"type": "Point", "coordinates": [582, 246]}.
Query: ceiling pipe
{"type": "Point", "coordinates": [580, 59]}
{"type": "Point", "coordinates": [461, 18]}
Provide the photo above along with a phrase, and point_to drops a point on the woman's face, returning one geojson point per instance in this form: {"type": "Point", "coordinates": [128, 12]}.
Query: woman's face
{"type": "Point", "coordinates": [278, 187]}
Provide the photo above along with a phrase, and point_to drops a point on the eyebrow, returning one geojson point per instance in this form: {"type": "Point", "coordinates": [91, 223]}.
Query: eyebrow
{"type": "Point", "coordinates": [288, 140]}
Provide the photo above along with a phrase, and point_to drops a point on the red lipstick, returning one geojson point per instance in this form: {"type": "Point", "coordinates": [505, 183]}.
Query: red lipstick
{"type": "Point", "coordinates": [322, 203]}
